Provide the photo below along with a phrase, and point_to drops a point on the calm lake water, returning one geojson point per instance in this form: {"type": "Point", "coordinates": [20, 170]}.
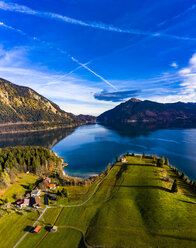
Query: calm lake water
{"type": "Point", "coordinates": [88, 149]}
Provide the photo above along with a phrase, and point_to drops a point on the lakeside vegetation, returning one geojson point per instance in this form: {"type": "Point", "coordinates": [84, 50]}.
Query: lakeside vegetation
{"type": "Point", "coordinates": [131, 204]}
{"type": "Point", "coordinates": [30, 159]}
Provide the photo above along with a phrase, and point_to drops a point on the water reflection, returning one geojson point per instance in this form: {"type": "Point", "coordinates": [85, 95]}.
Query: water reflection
{"type": "Point", "coordinates": [88, 149]}
{"type": "Point", "coordinates": [46, 139]}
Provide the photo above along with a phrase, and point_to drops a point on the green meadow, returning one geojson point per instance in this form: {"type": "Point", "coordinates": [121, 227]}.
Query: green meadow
{"type": "Point", "coordinates": [133, 206]}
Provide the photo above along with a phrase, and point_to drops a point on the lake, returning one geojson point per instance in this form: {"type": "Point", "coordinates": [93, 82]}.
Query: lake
{"type": "Point", "coordinates": [88, 149]}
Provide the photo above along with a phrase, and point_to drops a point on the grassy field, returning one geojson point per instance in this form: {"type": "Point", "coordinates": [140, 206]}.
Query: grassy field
{"type": "Point", "coordinates": [132, 207]}
{"type": "Point", "coordinates": [19, 187]}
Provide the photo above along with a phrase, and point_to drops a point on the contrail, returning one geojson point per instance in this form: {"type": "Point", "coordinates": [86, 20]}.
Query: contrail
{"type": "Point", "coordinates": [61, 51]}
{"type": "Point", "coordinates": [3, 25]}
{"type": "Point", "coordinates": [49, 15]}
{"type": "Point", "coordinates": [97, 75]}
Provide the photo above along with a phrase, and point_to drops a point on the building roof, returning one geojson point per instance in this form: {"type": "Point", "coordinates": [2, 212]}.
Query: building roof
{"type": "Point", "coordinates": [26, 201]}
{"type": "Point", "coordinates": [37, 200]}
{"type": "Point", "coordinates": [47, 179]}
{"type": "Point", "coordinates": [51, 185]}
{"type": "Point", "coordinates": [35, 191]}
{"type": "Point", "coordinates": [37, 229]}
{"type": "Point", "coordinates": [20, 202]}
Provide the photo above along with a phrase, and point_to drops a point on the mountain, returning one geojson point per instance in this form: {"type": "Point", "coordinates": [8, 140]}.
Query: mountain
{"type": "Point", "coordinates": [86, 118]}
{"type": "Point", "coordinates": [25, 108]}
{"type": "Point", "coordinates": [135, 111]}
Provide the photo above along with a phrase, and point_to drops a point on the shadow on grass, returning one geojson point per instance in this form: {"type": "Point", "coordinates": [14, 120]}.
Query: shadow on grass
{"type": "Point", "coordinates": [145, 187]}
{"type": "Point", "coordinates": [173, 236]}
{"type": "Point", "coordinates": [187, 201]}
{"type": "Point", "coordinates": [142, 165]}
{"type": "Point", "coordinates": [28, 228]}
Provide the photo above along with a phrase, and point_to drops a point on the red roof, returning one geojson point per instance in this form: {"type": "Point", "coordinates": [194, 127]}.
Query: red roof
{"type": "Point", "coordinates": [37, 229]}
{"type": "Point", "coordinates": [19, 202]}
{"type": "Point", "coordinates": [52, 185]}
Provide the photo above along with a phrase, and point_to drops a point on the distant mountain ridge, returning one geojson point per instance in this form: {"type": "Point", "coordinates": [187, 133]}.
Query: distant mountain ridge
{"type": "Point", "coordinates": [135, 110]}
{"type": "Point", "coordinates": [24, 108]}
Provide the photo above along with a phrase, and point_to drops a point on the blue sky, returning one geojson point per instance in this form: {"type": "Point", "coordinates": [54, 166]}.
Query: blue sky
{"type": "Point", "coordinates": [90, 55]}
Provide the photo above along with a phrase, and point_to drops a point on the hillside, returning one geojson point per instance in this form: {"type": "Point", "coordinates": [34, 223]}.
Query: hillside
{"type": "Point", "coordinates": [135, 110]}
{"type": "Point", "coordinates": [131, 207]}
{"type": "Point", "coordinates": [26, 109]}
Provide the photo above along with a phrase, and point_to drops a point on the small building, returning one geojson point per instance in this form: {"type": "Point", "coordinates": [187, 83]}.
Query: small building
{"type": "Point", "coordinates": [123, 160]}
{"type": "Point", "coordinates": [26, 202]}
{"type": "Point", "coordinates": [47, 179]}
{"type": "Point", "coordinates": [37, 229]}
{"type": "Point", "coordinates": [19, 203]}
{"type": "Point", "coordinates": [52, 186]}
{"type": "Point", "coordinates": [35, 202]}
{"type": "Point", "coordinates": [53, 229]}
{"type": "Point", "coordinates": [35, 192]}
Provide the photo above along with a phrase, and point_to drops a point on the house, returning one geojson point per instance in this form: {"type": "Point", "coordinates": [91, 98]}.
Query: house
{"type": "Point", "coordinates": [35, 192]}
{"type": "Point", "coordinates": [35, 202]}
{"type": "Point", "coordinates": [37, 229]}
{"type": "Point", "coordinates": [19, 203]}
{"type": "Point", "coordinates": [47, 179]}
{"type": "Point", "coordinates": [52, 186]}
{"type": "Point", "coordinates": [123, 160]}
{"type": "Point", "coordinates": [26, 202]}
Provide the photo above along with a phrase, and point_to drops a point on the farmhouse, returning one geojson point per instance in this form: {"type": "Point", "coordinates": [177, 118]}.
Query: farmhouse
{"type": "Point", "coordinates": [123, 160]}
{"type": "Point", "coordinates": [35, 202]}
{"type": "Point", "coordinates": [19, 203]}
{"type": "Point", "coordinates": [52, 186]}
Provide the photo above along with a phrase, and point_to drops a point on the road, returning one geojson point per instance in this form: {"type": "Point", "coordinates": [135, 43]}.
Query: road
{"type": "Point", "coordinates": [31, 227]}
{"type": "Point", "coordinates": [66, 206]}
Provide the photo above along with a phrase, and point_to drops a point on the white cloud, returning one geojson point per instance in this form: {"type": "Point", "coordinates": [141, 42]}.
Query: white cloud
{"type": "Point", "coordinates": [97, 25]}
{"type": "Point", "coordinates": [174, 65]}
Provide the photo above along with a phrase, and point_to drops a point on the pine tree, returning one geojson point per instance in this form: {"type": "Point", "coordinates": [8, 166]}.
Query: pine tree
{"type": "Point", "coordinates": [174, 188]}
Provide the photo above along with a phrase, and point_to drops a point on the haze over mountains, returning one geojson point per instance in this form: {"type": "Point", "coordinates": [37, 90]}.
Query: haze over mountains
{"type": "Point", "coordinates": [136, 111]}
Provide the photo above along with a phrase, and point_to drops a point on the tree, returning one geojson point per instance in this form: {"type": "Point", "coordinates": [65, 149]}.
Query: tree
{"type": "Point", "coordinates": [117, 160]}
{"type": "Point", "coordinates": [108, 168]}
{"type": "Point", "coordinates": [143, 156]}
{"type": "Point", "coordinates": [174, 188]}
{"type": "Point", "coordinates": [167, 161]}
{"type": "Point", "coordinates": [183, 176]}
{"type": "Point", "coordinates": [160, 162]}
